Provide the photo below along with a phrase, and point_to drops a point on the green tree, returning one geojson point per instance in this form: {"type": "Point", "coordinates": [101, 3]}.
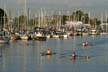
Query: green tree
{"type": "Point", "coordinates": [78, 15]}
{"type": "Point", "coordinates": [3, 18]}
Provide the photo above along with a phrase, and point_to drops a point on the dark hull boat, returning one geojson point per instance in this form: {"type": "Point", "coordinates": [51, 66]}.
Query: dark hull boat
{"type": "Point", "coordinates": [40, 38]}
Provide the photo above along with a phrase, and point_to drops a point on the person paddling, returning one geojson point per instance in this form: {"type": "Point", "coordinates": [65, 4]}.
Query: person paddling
{"type": "Point", "coordinates": [48, 52]}
{"type": "Point", "coordinates": [85, 43]}
{"type": "Point", "coordinates": [73, 55]}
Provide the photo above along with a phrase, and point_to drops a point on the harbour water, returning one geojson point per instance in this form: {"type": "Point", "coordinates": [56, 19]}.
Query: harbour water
{"type": "Point", "coordinates": [25, 56]}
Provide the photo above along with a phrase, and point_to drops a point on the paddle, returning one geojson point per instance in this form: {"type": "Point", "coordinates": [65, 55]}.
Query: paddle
{"type": "Point", "coordinates": [76, 57]}
{"type": "Point", "coordinates": [88, 44]}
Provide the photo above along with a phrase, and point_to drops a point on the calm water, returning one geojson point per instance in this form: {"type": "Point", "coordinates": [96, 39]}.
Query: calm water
{"type": "Point", "coordinates": [24, 56]}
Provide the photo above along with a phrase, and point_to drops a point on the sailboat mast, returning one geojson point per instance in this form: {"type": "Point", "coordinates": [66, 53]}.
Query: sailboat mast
{"type": "Point", "coordinates": [60, 20]}
{"type": "Point", "coordinates": [39, 19]}
{"type": "Point", "coordinates": [4, 16]}
{"type": "Point", "coordinates": [25, 14]}
{"type": "Point", "coordinates": [102, 20]}
{"type": "Point", "coordinates": [18, 22]}
{"type": "Point", "coordinates": [27, 17]}
{"type": "Point", "coordinates": [42, 18]}
{"type": "Point", "coordinates": [106, 20]}
{"type": "Point", "coordinates": [45, 17]}
{"type": "Point", "coordinates": [89, 18]}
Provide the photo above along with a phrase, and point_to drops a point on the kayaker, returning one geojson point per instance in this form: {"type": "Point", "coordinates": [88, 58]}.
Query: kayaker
{"type": "Point", "coordinates": [48, 52]}
{"type": "Point", "coordinates": [85, 43]}
{"type": "Point", "coordinates": [73, 55]}
{"type": "Point", "coordinates": [87, 57]}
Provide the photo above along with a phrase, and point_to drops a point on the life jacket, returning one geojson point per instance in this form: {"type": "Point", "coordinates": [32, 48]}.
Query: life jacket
{"type": "Point", "coordinates": [48, 52]}
{"type": "Point", "coordinates": [73, 54]}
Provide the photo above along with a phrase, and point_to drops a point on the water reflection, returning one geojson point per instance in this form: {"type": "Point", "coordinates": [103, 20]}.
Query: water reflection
{"type": "Point", "coordinates": [24, 42]}
{"type": "Point", "coordinates": [48, 57]}
{"type": "Point", "coordinates": [3, 48]}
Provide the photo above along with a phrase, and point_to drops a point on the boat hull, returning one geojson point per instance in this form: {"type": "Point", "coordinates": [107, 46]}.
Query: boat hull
{"type": "Point", "coordinates": [3, 41]}
{"type": "Point", "coordinates": [40, 38]}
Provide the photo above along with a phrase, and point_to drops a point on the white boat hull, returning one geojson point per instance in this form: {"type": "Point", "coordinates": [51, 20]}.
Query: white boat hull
{"type": "Point", "coordinates": [103, 33]}
{"type": "Point", "coordinates": [56, 36]}
{"type": "Point", "coordinates": [3, 41]}
{"type": "Point", "coordinates": [48, 36]}
{"type": "Point", "coordinates": [65, 36]}
{"type": "Point", "coordinates": [24, 37]}
{"type": "Point", "coordinates": [84, 34]}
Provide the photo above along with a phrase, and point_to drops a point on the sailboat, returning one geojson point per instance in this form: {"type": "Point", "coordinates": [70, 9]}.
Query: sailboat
{"type": "Point", "coordinates": [104, 32]}
{"type": "Point", "coordinates": [4, 38]}
{"type": "Point", "coordinates": [39, 34]}
{"type": "Point", "coordinates": [62, 33]}
{"type": "Point", "coordinates": [3, 34]}
{"type": "Point", "coordinates": [24, 35]}
{"type": "Point", "coordinates": [94, 31]}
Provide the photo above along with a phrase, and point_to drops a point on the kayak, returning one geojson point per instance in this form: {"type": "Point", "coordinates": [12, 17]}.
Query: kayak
{"type": "Point", "coordinates": [45, 54]}
{"type": "Point", "coordinates": [81, 57]}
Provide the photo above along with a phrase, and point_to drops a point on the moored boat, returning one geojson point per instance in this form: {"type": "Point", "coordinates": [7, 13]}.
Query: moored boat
{"type": "Point", "coordinates": [4, 39]}
{"type": "Point", "coordinates": [93, 32]}
{"type": "Point", "coordinates": [39, 36]}
{"type": "Point", "coordinates": [13, 37]}
{"type": "Point", "coordinates": [63, 35]}
{"type": "Point", "coordinates": [24, 37]}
